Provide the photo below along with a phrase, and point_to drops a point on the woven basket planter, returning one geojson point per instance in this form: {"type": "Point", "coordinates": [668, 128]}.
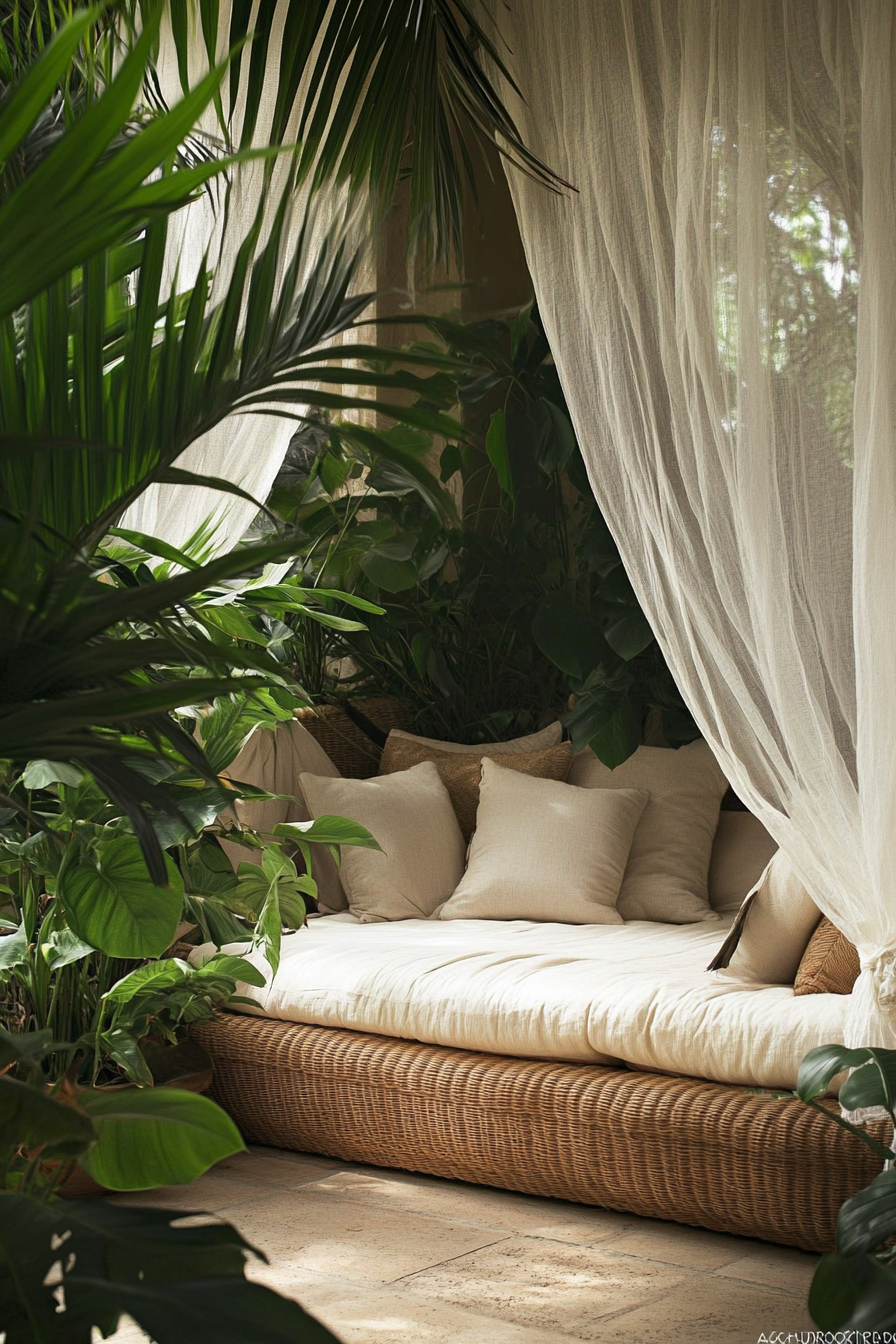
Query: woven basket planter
{"type": "Point", "coordinates": [675, 1148]}
{"type": "Point", "coordinates": [353, 753]}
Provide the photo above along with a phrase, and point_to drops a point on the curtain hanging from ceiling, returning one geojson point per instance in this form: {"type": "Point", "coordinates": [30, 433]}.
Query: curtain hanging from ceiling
{"type": "Point", "coordinates": [719, 296]}
{"type": "Point", "coordinates": [246, 449]}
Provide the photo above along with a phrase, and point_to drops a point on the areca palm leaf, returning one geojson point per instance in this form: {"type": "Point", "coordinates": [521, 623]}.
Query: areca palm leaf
{"type": "Point", "coordinates": [90, 672]}
{"type": "Point", "coordinates": [80, 198]}
{"type": "Point", "coordinates": [398, 87]}
{"type": "Point", "coordinates": [115, 391]}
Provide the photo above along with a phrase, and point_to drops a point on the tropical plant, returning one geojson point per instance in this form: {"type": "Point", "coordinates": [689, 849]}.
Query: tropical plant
{"type": "Point", "coordinates": [106, 377]}
{"type": "Point", "coordinates": [67, 1268]}
{"type": "Point", "coordinates": [85, 915]}
{"type": "Point", "coordinates": [855, 1288]}
{"type": "Point", "coordinates": [492, 622]}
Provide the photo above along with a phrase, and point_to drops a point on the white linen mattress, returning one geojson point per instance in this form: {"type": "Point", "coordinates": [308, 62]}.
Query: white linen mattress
{"type": "Point", "coordinates": [636, 992]}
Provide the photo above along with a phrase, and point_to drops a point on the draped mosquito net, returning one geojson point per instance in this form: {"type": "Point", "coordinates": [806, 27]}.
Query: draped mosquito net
{"type": "Point", "coordinates": [719, 297]}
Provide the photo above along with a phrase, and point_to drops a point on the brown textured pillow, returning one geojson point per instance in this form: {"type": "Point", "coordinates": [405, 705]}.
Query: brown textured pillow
{"type": "Point", "coordinates": [830, 963]}
{"type": "Point", "coordinates": [461, 773]}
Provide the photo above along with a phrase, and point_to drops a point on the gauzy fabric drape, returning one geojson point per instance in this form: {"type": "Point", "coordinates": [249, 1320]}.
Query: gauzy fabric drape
{"type": "Point", "coordinates": [719, 297]}
{"type": "Point", "coordinates": [248, 448]}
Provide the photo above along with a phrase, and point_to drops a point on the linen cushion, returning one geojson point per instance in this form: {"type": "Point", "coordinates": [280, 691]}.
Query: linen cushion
{"type": "Point", "coordinates": [410, 815]}
{"type": "Point", "coordinates": [666, 876]}
{"type": "Point", "coordinates": [545, 737]}
{"type": "Point", "coordinates": [545, 850]}
{"type": "Point", "coordinates": [771, 932]}
{"type": "Point", "coordinates": [830, 963]}
{"type": "Point", "coordinates": [587, 993]}
{"type": "Point", "coordinates": [274, 761]}
{"type": "Point", "coordinates": [460, 772]}
{"type": "Point", "coordinates": [740, 852]}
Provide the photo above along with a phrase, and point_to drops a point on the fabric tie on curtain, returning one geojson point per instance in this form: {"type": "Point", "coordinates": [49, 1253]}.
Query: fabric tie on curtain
{"type": "Point", "coordinates": [720, 297]}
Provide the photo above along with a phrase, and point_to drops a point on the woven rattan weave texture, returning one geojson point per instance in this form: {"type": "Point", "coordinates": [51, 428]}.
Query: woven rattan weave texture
{"type": "Point", "coordinates": [350, 750]}
{"type": "Point", "coordinates": [675, 1148]}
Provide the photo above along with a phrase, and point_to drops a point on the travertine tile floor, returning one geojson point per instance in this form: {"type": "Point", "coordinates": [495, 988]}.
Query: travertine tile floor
{"type": "Point", "coordinates": [384, 1257]}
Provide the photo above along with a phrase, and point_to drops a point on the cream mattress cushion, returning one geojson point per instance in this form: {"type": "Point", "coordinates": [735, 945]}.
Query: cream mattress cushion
{"type": "Point", "coordinates": [584, 993]}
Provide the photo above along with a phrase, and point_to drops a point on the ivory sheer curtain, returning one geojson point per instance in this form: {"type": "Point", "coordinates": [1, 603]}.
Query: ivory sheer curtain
{"type": "Point", "coordinates": [720, 297]}
{"type": "Point", "coordinates": [246, 449]}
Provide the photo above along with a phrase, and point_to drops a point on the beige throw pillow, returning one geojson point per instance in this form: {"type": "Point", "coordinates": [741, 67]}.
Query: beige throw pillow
{"type": "Point", "coordinates": [544, 850]}
{"type": "Point", "coordinates": [274, 761]}
{"type": "Point", "coordinates": [459, 771]}
{"type": "Point", "coordinates": [771, 933]}
{"type": "Point", "coordinates": [545, 737]}
{"type": "Point", "coordinates": [740, 853]}
{"type": "Point", "coordinates": [411, 816]}
{"type": "Point", "coordinates": [666, 877]}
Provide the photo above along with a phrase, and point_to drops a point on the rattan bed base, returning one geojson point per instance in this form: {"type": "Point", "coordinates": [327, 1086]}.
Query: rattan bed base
{"type": "Point", "coordinates": [675, 1148]}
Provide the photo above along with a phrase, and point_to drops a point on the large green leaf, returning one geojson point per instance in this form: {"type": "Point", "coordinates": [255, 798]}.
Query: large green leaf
{"type": "Point", "coordinates": [228, 1311]}
{"type": "Point", "coordinates": [148, 1137]}
{"type": "Point", "coordinates": [819, 1067]}
{"type": "Point", "coordinates": [179, 1283]}
{"type": "Point", "coordinates": [496, 447]}
{"type": "Point", "coordinates": [29, 1117]}
{"type": "Point", "coordinates": [872, 1083]}
{"type": "Point", "coordinates": [630, 635]}
{"type": "Point", "coordinates": [568, 634]}
{"type": "Point", "coordinates": [13, 950]}
{"type": "Point", "coordinates": [853, 1293]}
{"type": "Point", "coordinates": [328, 830]}
{"type": "Point", "coordinates": [868, 1219]}
{"type": "Point", "coordinates": [111, 901]}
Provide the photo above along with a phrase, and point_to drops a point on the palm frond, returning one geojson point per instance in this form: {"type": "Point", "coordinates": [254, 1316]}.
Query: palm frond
{"type": "Point", "coordinates": [388, 88]}
{"type": "Point", "coordinates": [136, 383]}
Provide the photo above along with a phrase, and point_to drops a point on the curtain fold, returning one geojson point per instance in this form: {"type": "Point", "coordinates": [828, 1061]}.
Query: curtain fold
{"type": "Point", "coordinates": [719, 297]}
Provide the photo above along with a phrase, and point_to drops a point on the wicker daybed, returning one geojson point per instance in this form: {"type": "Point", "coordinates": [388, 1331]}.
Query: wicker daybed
{"type": "Point", "coordinates": [679, 1148]}
{"type": "Point", "coordinates": [676, 1148]}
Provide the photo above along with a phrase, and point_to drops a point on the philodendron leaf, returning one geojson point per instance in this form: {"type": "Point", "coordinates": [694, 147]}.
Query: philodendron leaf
{"type": "Point", "coordinates": [868, 1219]}
{"type": "Point", "coordinates": [236, 968]}
{"type": "Point", "coordinates": [214, 1311]}
{"type": "Point", "coordinates": [328, 830]}
{"type": "Point", "coordinates": [40, 774]}
{"type": "Point", "coordinates": [630, 635]}
{"type": "Point", "coordinates": [147, 1137]}
{"type": "Point", "coordinates": [158, 975]}
{"type": "Point", "coordinates": [178, 1282]}
{"type": "Point", "coordinates": [13, 950]}
{"type": "Point", "coordinates": [872, 1083]}
{"type": "Point", "coordinates": [63, 947]}
{"type": "Point", "coordinates": [27, 1048]}
{"type": "Point", "coordinates": [820, 1067]}
{"type": "Point", "coordinates": [496, 448]}
{"type": "Point", "coordinates": [28, 1116]}
{"type": "Point", "coordinates": [387, 572]}
{"type": "Point", "coordinates": [111, 901]}
{"type": "Point", "coordinates": [125, 1050]}
{"type": "Point", "coordinates": [853, 1293]}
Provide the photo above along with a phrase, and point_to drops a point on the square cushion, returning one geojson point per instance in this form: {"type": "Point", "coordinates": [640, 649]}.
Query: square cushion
{"type": "Point", "coordinates": [830, 963]}
{"type": "Point", "coordinates": [545, 737]}
{"type": "Point", "coordinates": [410, 815]}
{"type": "Point", "coordinates": [740, 853]}
{"type": "Point", "coordinates": [460, 771]}
{"type": "Point", "coordinates": [666, 877]}
{"type": "Point", "coordinates": [772, 930]}
{"type": "Point", "coordinates": [545, 850]}
{"type": "Point", "coordinates": [274, 761]}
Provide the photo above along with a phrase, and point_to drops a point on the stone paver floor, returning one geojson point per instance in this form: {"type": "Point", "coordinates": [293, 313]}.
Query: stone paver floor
{"type": "Point", "coordinates": [385, 1257]}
